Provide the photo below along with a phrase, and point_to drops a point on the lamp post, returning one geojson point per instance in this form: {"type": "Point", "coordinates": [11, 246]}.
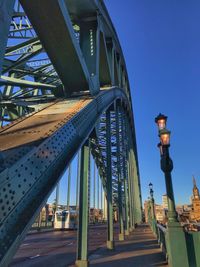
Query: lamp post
{"type": "Point", "coordinates": [166, 164]}
{"type": "Point", "coordinates": [175, 236]}
{"type": "Point", "coordinates": [152, 201]}
{"type": "Point", "coordinates": [153, 216]}
{"type": "Point", "coordinates": [149, 210]}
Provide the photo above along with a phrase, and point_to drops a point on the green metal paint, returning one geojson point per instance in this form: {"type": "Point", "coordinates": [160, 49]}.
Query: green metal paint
{"type": "Point", "coordinates": [82, 246]}
{"type": "Point", "coordinates": [121, 223]}
{"type": "Point", "coordinates": [110, 235]}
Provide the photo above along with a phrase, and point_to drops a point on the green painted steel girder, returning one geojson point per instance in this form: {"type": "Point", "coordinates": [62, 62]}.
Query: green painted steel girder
{"type": "Point", "coordinates": [120, 208]}
{"type": "Point", "coordinates": [68, 186]}
{"type": "Point", "coordinates": [61, 45]}
{"type": "Point", "coordinates": [82, 250]}
{"type": "Point", "coordinates": [4, 80]}
{"type": "Point", "coordinates": [124, 173]}
{"type": "Point", "coordinates": [110, 233]}
{"type": "Point", "coordinates": [41, 173]}
{"type": "Point", "coordinates": [6, 7]}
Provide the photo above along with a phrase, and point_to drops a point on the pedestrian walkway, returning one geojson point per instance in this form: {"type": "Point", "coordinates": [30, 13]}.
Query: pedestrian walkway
{"type": "Point", "coordinates": [140, 249]}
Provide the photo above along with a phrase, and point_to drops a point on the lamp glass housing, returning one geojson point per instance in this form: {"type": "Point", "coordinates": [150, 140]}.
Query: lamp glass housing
{"type": "Point", "coordinates": [161, 124]}
{"type": "Point", "coordinates": [165, 138]}
{"type": "Point", "coordinates": [161, 121]}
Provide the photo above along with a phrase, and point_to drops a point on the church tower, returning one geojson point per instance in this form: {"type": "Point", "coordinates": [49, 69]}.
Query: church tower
{"type": "Point", "coordinates": [195, 212]}
{"type": "Point", "coordinates": [195, 190]}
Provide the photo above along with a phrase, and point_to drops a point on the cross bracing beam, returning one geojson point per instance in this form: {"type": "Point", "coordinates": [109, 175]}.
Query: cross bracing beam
{"type": "Point", "coordinates": [61, 45]}
{"type": "Point", "coordinates": [4, 80]}
{"type": "Point", "coordinates": [5, 18]}
{"type": "Point", "coordinates": [25, 66]}
{"type": "Point", "coordinates": [20, 26]}
{"type": "Point", "coordinates": [22, 48]}
{"type": "Point", "coordinates": [96, 152]}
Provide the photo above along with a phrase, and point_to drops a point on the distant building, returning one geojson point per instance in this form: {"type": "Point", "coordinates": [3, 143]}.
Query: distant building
{"type": "Point", "coordinates": [186, 213]}
{"type": "Point", "coordinates": [146, 205]}
{"type": "Point", "coordinates": [187, 207]}
{"type": "Point", "coordinates": [159, 211]}
{"type": "Point", "coordinates": [195, 212]}
{"type": "Point", "coordinates": [164, 202]}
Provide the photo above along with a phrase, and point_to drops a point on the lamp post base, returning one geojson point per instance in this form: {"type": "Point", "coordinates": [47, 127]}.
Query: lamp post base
{"type": "Point", "coordinates": [126, 232]}
{"type": "Point", "coordinates": [110, 245]}
{"type": "Point", "coordinates": [82, 263]}
{"type": "Point", "coordinates": [176, 245]}
{"type": "Point", "coordinates": [121, 237]}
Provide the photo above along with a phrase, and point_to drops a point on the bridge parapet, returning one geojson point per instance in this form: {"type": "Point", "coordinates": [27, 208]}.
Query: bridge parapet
{"type": "Point", "coordinates": [192, 241]}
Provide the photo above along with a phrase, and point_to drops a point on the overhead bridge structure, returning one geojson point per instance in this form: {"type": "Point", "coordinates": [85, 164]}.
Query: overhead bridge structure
{"type": "Point", "coordinates": [63, 88]}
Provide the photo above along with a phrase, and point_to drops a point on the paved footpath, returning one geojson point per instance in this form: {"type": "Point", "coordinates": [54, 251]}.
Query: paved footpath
{"type": "Point", "coordinates": [58, 249]}
{"type": "Point", "coordinates": [140, 249]}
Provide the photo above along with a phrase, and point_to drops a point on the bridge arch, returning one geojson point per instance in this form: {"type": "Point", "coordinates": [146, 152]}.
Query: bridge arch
{"type": "Point", "coordinates": [49, 121]}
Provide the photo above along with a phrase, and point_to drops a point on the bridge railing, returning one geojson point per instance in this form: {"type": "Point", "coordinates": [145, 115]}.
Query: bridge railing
{"type": "Point", "coordinates": [161, 235]}
{"type": "Point", "coordinates": [160, 232]}
{"type": "Point", "coordinates": [193, 248]}
{"type": "Point", "coordinates": [192, 240]}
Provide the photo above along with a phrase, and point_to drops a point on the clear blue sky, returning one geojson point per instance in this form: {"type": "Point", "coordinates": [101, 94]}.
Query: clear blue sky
{"type": "Point", "coordinates": [161, 44]}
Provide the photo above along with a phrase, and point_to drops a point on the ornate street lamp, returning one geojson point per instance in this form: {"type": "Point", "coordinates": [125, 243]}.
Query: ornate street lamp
{"type": "Point", "coordinates": [153, 216]}
{"type": "Point", "coordinates": [164, 135]}
{"type": "Point", "coordinates": [161, 121]}
{"type": "Point", "coordinates": [177, 253]}
{"type": "Point", "coordinates": [151, 190]}
{"type": "Point", "coordinates": [166, 164]}
{"type": "Point", "coordinates": [149, 210]}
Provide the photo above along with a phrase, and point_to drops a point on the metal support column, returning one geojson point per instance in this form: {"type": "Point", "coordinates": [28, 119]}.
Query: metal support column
{"type": "Point", "coordinates": [130, 177]}
{"type": "Point", "coordinates": [110, 235]}
{"type": "Point", "coordinates": [121, 223]}
{"type": "Point", "coordinates": [94, 193]}
{"type": "Point", "coordinates": [57, 195]}
{"type": "Point", "coordinates": [82, 246]}
{"type": "Point", "coordinates": [68, 187]}
{"type": "Point", "coordinates": [39, 221]}
{"type": "Point", "coordinates": [138, 215]}
{"type": "Point", "coordinates": [124, 176]}
{"type": "Point", "coordinates": [130, 193]}
{"type": "Point", "coordinates": [101, 198]}
{"type": "Point", "coordinates": [104, 207]}
{"type": "Point", "coordinates": [98, 192]}
{"type": "Point", "coordinates": [78, 179]}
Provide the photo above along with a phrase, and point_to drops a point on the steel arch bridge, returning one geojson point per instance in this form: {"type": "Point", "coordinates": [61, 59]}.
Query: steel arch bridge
{"type": "Point", "coordinates": [63, 88]}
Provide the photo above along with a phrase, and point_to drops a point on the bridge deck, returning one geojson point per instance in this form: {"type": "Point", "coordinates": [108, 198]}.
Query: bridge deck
{"type": "Point", "coordinates": [140, 249]}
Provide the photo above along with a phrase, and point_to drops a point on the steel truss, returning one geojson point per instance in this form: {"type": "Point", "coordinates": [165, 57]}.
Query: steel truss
{"type": "Point", "coordinates": [63, 86]}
